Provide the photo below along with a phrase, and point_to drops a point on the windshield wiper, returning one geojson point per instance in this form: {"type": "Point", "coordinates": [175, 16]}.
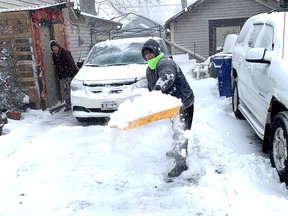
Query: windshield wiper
{"type": "Point", "coordinates": [92, 65]}
{"type": "Point", "coordinates": [107, 65]}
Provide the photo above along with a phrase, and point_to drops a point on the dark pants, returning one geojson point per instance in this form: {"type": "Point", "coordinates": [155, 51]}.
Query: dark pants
{"type": "Point", "coordinates": [181, 123]}
{"type": "Point", "coordinates": [186, 116]}
{"type": "Point", "coordinates": [67, 89]}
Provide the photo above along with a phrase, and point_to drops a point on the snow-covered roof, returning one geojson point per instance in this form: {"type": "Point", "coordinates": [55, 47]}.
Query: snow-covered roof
{"type": "Point", "coordinates": [36, 7]}
{"type": "Point", "coordinates": [267, 3]}
{"type": "Point", "coordinates": [95, 17]}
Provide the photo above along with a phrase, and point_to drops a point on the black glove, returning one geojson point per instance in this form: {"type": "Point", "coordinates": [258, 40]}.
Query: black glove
{"type": "Point", "coordinates": [156, 88]}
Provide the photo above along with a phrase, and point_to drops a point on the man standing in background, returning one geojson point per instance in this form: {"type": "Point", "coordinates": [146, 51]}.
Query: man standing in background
{"type": "Point", "coordinates": [65, 69]}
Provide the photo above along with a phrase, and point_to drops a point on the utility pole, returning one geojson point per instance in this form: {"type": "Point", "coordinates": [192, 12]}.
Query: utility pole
{"type": "Point", "coordinates": [184, 4]}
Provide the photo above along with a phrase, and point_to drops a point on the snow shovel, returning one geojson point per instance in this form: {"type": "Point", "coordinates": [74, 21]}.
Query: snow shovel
{"type": "Point", "coordinates": [164, 114]}
{"type": "Point", "coordinates": [56, 108]}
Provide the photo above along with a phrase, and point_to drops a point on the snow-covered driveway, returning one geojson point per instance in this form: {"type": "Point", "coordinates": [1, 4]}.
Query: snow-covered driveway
{"type": "Point", "coordinates": [54, 165]}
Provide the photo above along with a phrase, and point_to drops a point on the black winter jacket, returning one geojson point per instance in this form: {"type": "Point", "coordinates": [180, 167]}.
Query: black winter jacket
{"type": "Point", "coordinates": [64, 63]}
{"type": "Point", "coordinates": [169, 78]}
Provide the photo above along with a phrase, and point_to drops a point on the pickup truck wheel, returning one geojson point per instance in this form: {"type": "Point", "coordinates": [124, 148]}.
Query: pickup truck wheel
{"type": "Point", "coordinates": [235, 102]}
{"type": "Point", "coordinates": [278, 145]}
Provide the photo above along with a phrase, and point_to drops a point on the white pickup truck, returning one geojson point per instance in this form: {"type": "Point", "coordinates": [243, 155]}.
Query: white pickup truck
{"type": "Point", "coordinates": [260, 83]}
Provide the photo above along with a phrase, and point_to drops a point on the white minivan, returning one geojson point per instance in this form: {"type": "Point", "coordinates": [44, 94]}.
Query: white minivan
{"type": "Point", "coordinates": [111, 74]}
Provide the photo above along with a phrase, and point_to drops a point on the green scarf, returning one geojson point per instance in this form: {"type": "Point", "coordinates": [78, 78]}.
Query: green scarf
{"type": "Point", "coordinates": [152, 63]}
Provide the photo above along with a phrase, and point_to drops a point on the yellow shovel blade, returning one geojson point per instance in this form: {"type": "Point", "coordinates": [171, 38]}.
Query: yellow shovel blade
{"type": "Point", "coordinates": [169, 113]}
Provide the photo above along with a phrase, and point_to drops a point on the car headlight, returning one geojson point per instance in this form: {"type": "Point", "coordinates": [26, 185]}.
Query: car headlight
{"type": "Point", "coordinates": [76, 85]}
{"type": "Point", "coordinates": [141, 83]}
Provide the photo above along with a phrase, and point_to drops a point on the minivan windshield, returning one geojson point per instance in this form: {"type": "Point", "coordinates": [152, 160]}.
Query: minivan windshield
{"type": "Point", "coordinates": [110, 54]}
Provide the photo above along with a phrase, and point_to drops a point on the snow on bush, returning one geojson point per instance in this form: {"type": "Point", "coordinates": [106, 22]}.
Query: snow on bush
{"type": "Point", "coordinates": [11, 95]}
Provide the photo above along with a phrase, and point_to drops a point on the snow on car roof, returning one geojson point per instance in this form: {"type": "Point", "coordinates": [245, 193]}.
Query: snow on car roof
{"type": "Point", "coordinates": [129, 40]}
{"type": "Point", "coordinates": [273, 17]}
{"type": "Point", "coordinates": [276, 19]}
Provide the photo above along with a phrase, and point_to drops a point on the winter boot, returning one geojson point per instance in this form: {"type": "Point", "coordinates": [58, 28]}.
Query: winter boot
{"type": "Point", "coordinates": [178, 149]}
{"type": "Point", "coordinates": [67, 109]}
{"type": "Point", "coordinates": [179, 167]}
{"type": "Point", "coordinates": [172, 153]}
{"type": "Point", "coordinates": [68, 106]}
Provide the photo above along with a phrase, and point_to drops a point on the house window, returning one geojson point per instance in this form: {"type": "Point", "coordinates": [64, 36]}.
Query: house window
{"type": "Point", "coordinates": [222, 32]}
{"type": "Point", "coordinates": [219, 29]}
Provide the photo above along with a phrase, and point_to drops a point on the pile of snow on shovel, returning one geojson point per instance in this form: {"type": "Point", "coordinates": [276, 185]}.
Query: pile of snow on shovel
{"type": "Point", "coordinates": [145, 104]}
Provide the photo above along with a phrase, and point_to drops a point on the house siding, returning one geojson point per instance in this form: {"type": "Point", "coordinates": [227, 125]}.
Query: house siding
{"type": "Point", "coordinates": [79, 50]}
{"type": "Point", "coordinates": [191, 29]}
{"type": "Point", "coordinates": [80, 38]}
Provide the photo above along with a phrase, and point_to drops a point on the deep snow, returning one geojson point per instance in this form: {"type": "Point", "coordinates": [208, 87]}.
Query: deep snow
{"type": "Point", "coordinates": [54, 165]}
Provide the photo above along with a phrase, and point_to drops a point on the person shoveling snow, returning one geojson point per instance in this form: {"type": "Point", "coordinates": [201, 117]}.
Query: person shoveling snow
{"type": "Point", "coordinates": [165, 77]}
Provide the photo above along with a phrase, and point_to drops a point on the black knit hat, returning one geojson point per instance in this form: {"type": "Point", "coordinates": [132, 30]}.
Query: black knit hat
{"type": "Point", "coordinates": [151, 45]}
{"type": "Point", "coordinates": [53, 43]}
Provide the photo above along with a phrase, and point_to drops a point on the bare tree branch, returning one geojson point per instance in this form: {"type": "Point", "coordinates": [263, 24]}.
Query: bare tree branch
{"type": "Point", "coordinates": [116, 8]}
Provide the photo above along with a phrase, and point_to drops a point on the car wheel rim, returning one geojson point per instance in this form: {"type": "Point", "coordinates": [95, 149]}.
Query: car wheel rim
{"type": "Point", "coordinates": [279, 149]}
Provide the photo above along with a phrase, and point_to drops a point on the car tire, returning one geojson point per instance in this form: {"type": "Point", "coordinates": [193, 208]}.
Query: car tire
{"type": "Point", "coordinates": [81, 119]}
{"type": "Point", "coordinates": [235, 102]}
{"type": "Point", "coordinates": [278, 145]}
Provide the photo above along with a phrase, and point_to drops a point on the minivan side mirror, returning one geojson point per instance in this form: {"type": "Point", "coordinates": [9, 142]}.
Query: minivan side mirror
{"type": "Point", "coordinates": [258, 55]}
{"type": "Point", "coordinates": [80, 62]}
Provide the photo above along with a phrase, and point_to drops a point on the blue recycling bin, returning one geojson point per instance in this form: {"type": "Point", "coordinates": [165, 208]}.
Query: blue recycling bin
{"type": "Point", "coordinates": [222, 65]}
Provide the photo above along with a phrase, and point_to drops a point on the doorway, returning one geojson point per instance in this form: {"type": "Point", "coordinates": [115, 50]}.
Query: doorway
{"type": "Point", "coordinates": [51, 80]}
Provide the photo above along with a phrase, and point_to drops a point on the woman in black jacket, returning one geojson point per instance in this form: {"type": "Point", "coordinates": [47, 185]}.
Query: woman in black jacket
{"type": "Point", "coordinates": [163, 74]}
